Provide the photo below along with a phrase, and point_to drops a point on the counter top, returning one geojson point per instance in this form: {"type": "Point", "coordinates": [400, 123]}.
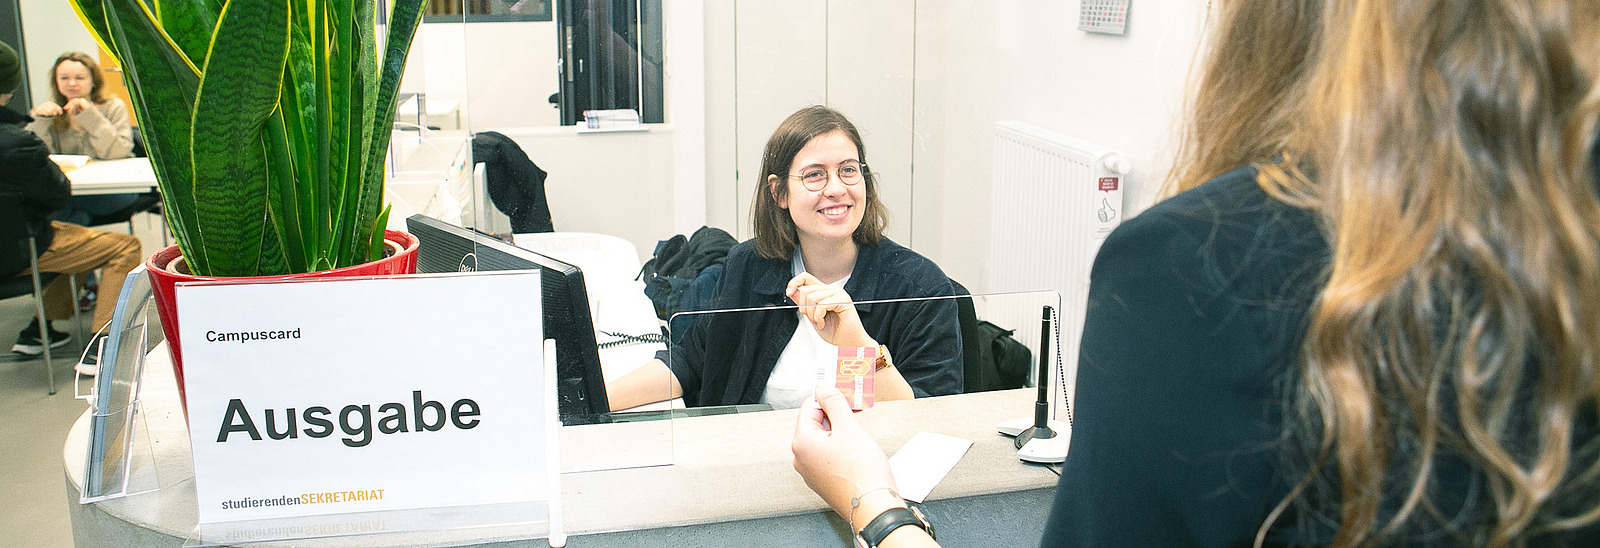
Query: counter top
{"type": "Point", "coordinates": [726, 468]}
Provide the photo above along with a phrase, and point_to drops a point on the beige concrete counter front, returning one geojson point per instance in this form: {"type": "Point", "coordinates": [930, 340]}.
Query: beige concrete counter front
{"type": "Point", "coordinates": [732, 484]}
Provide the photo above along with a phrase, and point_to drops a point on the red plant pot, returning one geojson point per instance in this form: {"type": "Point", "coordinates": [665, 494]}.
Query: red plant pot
{"type": "Point", "coordinates": [163, 279]}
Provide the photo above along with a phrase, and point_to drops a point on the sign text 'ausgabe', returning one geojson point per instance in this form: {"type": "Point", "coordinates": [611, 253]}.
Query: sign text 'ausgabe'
{"type": "Point", "coordinates": [355, 421]}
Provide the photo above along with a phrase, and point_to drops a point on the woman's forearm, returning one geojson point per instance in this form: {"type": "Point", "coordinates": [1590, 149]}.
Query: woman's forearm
{"type": "Point", "coordinates": [650, 383]}
{"type": "Point", "coordinates": [888, 384]}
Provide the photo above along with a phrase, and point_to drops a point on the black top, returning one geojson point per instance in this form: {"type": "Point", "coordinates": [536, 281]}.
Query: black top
{"type": "Point", "coordinates": [1195, 317]}
{"type": "Point", "coordinates": [727, 357]}
{"type": "Point", "coordinates": [31, 187]}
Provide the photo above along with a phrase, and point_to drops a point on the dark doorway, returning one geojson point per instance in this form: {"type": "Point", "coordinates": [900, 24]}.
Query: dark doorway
{"type": "Point", "coordinates": [11, 34]}
{"type": "Point", "coordinates": [611, 58]}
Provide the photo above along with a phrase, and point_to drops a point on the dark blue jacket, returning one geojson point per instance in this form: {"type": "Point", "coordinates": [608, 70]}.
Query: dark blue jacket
{"type": "Point", "coordinates": [1197, 311]}
{"type": "Point", "coordinates": [727, 357]}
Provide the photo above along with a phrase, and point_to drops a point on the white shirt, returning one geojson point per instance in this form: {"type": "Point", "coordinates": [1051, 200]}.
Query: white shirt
{"type": "Point", "coordinates": [805, 362]}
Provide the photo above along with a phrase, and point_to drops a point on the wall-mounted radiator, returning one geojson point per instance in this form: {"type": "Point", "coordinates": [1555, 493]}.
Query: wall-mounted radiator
{"type": "Point", "coordinates": [1055, 199]}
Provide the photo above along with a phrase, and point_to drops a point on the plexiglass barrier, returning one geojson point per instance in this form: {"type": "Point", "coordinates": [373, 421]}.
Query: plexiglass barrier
{"type": "Point", "coordinates": [724, 360]}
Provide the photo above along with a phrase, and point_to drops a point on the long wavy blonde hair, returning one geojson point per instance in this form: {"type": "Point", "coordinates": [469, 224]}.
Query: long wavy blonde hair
{"type": "Point", "coordinates": [1247, 95]}
{"type": "Point", "coordinates": [1460, 324]}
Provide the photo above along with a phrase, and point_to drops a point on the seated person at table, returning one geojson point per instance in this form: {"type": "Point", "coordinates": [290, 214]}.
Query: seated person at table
{"type": "Point", "coordinates": [819, 244]}
{"type": "Point", "coordinates": [29, 177]}
{"type": "Point", "coordinates": [80, 119]}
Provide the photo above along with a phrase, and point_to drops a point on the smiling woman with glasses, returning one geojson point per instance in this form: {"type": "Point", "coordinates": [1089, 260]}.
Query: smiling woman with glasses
{"type": "Point", "coordinates": [819, 244]}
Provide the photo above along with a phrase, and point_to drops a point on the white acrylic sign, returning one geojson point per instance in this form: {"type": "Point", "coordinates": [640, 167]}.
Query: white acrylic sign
{"type": "Point", "coordinates": [364, 394]}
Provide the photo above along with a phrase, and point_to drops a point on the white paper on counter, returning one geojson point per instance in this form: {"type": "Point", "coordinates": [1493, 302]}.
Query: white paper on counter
{"type": "Point", "coordinates": [923, 462]}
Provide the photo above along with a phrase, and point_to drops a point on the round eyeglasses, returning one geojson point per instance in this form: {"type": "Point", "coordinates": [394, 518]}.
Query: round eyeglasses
{"type": "Point", "coordinates": [815, 178]}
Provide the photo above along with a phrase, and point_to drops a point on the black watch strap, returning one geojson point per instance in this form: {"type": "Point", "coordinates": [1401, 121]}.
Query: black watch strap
{"type": "Point", "coordinates": [891, 519]}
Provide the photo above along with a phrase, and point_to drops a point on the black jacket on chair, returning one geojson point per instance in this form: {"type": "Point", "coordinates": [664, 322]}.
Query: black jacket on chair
{"type": "Point", "coordinates": [516, 185]}
{"type": "Point", "coordinates": [31, 187]}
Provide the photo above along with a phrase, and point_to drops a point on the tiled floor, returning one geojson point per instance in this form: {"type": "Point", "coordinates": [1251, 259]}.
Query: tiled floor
{"type": "Point", "coordinates": [33, 426]}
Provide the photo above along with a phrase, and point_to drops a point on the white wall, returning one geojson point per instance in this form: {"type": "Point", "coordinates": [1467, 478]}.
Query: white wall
{"type": "Point", "coordinates": [49, 29]}
{"type": "Point", "coordinates": [609, 183]}
{"type": "Point", "coordinates": [926, 82]}
{"type": "Point", "coordinates": [721, 98]}
{"type": "Point", "coordinates": [502, 73]}
{"type": "Point", "coordinates": [979, 62]}
{"type": "Point", "coordinates": [851, 55]}
{"type": "Point", "coordinates": [684, 48]}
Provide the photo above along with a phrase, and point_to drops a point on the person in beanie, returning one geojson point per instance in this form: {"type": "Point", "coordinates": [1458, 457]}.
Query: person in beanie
{"type": "Point", "coordinates": [33, 187]}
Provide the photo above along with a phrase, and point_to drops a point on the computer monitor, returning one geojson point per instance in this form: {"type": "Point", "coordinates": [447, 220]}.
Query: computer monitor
{"type": "Point", "coordinates": [581, 389]}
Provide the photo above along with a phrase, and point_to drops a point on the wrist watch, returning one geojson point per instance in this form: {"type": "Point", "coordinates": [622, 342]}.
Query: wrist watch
{"type": "Point", "coordinates": [883, 359]}
{"type": "Point", "coordinates": [879, 528]}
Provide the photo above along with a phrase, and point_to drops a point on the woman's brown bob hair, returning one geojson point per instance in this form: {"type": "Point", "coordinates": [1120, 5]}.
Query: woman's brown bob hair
{"type": "Point", "coordinates": [776, 237]}
{"type": "Point", "coordinates": [97, 93]}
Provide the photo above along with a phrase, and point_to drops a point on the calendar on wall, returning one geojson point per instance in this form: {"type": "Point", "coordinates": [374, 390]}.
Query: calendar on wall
{"type": "Point", "coordinates": [1103, 16]}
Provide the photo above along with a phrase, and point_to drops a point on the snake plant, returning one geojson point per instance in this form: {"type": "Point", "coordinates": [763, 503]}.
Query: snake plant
{"type": "Point", "coordinates": [266, 121]}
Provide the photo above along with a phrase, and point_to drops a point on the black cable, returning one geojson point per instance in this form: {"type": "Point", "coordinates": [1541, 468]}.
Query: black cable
{"type": "Point", "coordinates": [1061, 373]}
{"type": "Point", "coordinates": [624, 339]}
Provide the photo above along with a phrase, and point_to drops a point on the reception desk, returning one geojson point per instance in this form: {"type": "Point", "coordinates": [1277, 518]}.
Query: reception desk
{"type": "Point", "coordinates": [732, 484]}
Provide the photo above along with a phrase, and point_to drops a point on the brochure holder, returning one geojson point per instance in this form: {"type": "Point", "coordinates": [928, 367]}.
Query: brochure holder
{"type": "Point", "coordinates": [119, 461]}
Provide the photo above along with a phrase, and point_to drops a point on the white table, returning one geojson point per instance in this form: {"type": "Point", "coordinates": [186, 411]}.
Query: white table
{"type": "Point", "coordinates": [128, 175]}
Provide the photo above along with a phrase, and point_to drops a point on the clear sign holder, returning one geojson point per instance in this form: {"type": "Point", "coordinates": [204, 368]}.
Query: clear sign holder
{"type": "Point", "coordinates": [488, 522]}
{"type": "Point", "coordinates": [428, 525]}
{"type": "Point", "coordinates": [119, 460]}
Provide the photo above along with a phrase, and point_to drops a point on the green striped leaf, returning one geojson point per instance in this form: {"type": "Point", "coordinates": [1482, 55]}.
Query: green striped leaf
{"type": "Point", "coordinates": [376, 251]}
{"type": "Point", "coordinates": [93, 15]}
{"type": "Point", "coordinates": [341, 54]}
{"type": "Point", "coordinates": [282, 201]}
{"type": "Point", "coordinates": [403, 21]}
{"type": "Point", "coordinates": [189, 23]}
{"type": "Point", "coordinates": [297, 107]}
{"type": "Point", "coordinates": [270, 159]}
{"type": "Point", "coordinates": [243, 73]}
{"type": "Point", "coordinates": [157, 74]}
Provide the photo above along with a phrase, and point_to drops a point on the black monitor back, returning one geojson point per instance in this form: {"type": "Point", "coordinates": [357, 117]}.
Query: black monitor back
{"type": "Point", "coordinates": [580, 390]}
